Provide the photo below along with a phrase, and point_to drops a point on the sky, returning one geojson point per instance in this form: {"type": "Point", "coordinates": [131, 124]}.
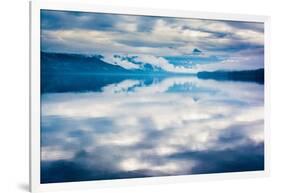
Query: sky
{"type": "Point", "coordinates": [192, 43]}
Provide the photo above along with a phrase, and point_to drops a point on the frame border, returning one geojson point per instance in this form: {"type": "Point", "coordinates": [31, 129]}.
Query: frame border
{"type": "Point", "coordinates": [34, 99]}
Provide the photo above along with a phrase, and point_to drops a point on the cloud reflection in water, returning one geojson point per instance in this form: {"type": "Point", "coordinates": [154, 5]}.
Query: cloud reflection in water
{"type": "Point", "coordinates": [174, 126]}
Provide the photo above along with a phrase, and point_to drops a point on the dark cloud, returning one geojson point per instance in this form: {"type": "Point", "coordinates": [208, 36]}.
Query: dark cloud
{"type": "Point", "coordinates": [249, 157]}
{"type": "Point", "coordinates": [71, 171]}
{"type": "Point", "coordinates": [256, 26]}
{"type": "Point", "coordinates": [146, 24]}
{"type": "Point", "coordinates": [243, 158]}
{"type": "Point", "coordinates": [150, 43]}
{"type": "Point", "coordinates": [56, 20]}
{"type": "Point", "coordinates": [82, 147]}
{"type": "Point", "coordinates": [132, 33]}
{"type": "Point", "coordinates": [233, 47]}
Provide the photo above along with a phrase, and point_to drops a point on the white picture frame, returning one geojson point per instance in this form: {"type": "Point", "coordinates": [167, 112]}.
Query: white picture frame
{"type": "Point", "coordinates": [36, 6]}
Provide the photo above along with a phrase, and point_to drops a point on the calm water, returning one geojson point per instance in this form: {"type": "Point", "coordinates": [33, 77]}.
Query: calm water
{"type": "Point", "coordinates": [110, 127]}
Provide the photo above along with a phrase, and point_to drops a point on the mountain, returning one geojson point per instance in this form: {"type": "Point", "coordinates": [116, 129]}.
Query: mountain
{"type": "Point", "coordinates": [53, 63]}
{"type": "Point", "coordinates": [245, 75]}
{"type": "Point", "coordinates": [77, 73]}
{"type": "Point", "coordinates": [96, 64]}
{"type": "Point", "coordinates": [135, 63]}
{"type": "Point", "coordinates": [196, 51]}
{"type": "Point", "coordinates": [74, 72]}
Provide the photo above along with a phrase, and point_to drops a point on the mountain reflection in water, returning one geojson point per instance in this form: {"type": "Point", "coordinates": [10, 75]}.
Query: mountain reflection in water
{"type": "Point", "coordinates": [127, 127]}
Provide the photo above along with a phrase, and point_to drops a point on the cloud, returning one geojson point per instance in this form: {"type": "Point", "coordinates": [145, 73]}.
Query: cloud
{"type": "Point", "coordinates": [160, 62]}
{"type": "Point", "coordinates": [124, 86]}
{"type": "Point", "coordinates": [55, 153]}
{"type": "Point", "coordinates": [240, 61]}
{"type": "Point", "coordinates": [58, 20]}
{"type": "Point", "coordinates": [246, 60]}
{"type": "Point", "coordinates": [117, 60]}
{"type": "Point", "coordinates": [132, 129]}
{"type": "Point", "coordinates": [169, 126]}
{"type": "Point", "coordinates": [97, 33]}
{"type": "Point", "coordinates": [140, 61]}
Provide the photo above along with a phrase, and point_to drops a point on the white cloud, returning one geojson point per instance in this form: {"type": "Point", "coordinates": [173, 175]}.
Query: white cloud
{"type": "Point", "coordinates": [129, 27]}
{"type": "Point", "coordinates": [133, 164]}
{"type": "Point", "coordinates": [111, 59]}
{"type": "Point", "coordinates": [167, 37]}
{"type": "Point", "coordinates": [168, 110]}
{"type": "Point", "coordinates": [55, 153]}
{"type": "Point", "coordinates": [120, 87]}
{"type": "Point", "coordinates": [160, 62]}
{"type": "Point", "coordinates": [138, 130]}
{"type": "Point", "coordinates": [138, 61]}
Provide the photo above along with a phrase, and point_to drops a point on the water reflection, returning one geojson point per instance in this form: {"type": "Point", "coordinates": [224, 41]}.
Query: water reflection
{"type": "Point", "coordinates": [140, 127]}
